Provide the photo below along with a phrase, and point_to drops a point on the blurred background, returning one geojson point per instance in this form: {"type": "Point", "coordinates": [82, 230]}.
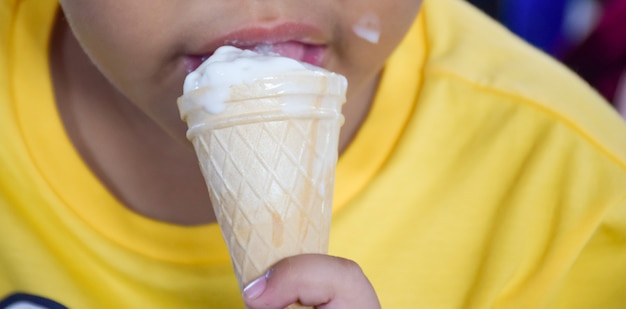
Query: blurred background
{"type": "Point", "coordinates": [589, 36]}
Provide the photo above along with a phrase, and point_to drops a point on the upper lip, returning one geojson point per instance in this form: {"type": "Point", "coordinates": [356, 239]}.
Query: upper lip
{"type": "Point", "coordinates": [253, 35]}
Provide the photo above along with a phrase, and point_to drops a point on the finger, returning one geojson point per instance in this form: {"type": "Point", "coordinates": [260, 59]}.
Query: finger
{"type": "Point", "coordinates": [315, 280]}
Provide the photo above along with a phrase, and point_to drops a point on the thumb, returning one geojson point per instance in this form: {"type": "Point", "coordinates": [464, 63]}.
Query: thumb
{"type": "Point", "coordinates": [315, 280]}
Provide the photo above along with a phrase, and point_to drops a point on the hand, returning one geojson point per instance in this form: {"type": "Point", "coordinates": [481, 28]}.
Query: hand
{"type": "Point", "coordinates": [315, 280]}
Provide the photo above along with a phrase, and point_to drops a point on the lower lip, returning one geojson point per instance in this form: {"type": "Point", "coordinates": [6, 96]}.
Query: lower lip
{"type": "Point", "coordinates": [308, 53]}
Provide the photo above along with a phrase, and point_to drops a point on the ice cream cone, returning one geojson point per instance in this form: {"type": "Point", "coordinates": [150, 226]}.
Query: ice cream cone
{"type": "Point", "coordinates": [268, 155]}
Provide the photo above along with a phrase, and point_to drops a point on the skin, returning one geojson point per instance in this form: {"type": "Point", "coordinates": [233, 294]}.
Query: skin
{"type": "Point", "coordinates": [118, 67]}
{"type": "Point", "coordinates": [331, 283]}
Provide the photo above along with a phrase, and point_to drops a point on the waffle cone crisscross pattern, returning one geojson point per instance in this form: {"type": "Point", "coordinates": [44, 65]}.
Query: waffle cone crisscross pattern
{"type": "Point", "coordinates": [270, 205]}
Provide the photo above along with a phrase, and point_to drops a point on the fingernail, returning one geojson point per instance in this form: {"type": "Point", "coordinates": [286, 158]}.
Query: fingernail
{"type": "Point", "coordinates": [255, 288]}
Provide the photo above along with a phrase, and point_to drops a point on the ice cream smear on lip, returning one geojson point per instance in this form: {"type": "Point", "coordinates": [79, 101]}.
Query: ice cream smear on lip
{"type": "Point", "coordinates": [230, 66]}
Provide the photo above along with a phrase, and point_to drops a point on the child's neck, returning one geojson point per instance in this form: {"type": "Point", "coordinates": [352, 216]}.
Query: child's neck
{"type": "Point", "coordinates": [149, 171]}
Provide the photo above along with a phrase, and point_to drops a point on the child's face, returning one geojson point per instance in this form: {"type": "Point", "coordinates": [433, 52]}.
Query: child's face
{"type": "Point", "coordinates": [146, 47]}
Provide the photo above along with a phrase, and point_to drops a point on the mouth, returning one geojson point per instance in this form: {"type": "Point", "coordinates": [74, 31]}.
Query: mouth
{"type": "Point", "coordinates": [297, 41]}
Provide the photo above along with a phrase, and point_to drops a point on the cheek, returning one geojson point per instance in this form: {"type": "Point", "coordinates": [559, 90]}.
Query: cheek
{"type": "Point", "coordinates": [370, 33]}
{"type": "Point", "coordinates": [134, 50]}
{"type": "Point", "coordinates": [382, 23]}
{"type": "Point", "coordinates": [121, 39]}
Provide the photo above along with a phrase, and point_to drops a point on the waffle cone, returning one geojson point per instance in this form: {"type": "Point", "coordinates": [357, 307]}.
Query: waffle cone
{"type": "Point", "coordinates": [269, 164]}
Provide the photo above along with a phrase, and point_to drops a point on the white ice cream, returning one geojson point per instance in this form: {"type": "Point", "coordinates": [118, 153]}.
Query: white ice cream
{"type": "Point", "coordinates": [230, 66]}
